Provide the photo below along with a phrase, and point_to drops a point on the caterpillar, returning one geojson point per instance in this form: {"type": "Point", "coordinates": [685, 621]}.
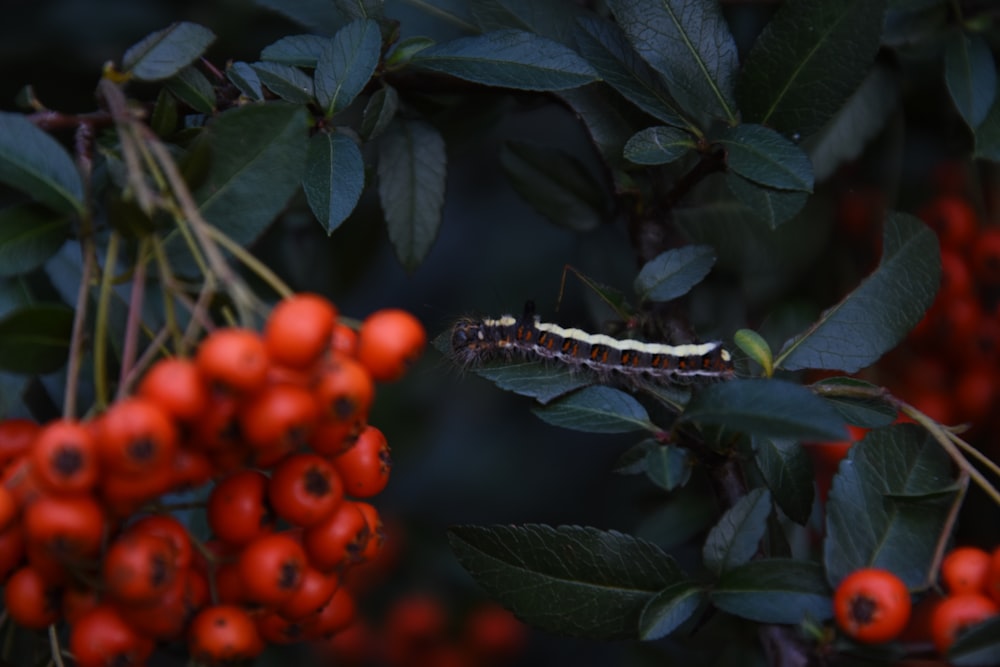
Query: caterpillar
{"type": "Point", "coordinates": [475, 342]}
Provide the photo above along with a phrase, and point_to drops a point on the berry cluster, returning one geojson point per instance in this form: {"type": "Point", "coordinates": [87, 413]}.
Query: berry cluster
{"type": "Point", "coordinates": [418, 630]}
{"type": "Point", "coordinates": [953, 365]}
{"type": "Point", "coordinates": [873, 606]}
{"type": "Point", "coordinates": [971, 580]}
{"type": "Point", "coordinates": [278, 421]}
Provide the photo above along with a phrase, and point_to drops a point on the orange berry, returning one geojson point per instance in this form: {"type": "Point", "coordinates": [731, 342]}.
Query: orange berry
{"type": "Point", "coordinates": [992, 584]}
{"type": "Point", "coordinates": [272, 568]}
{"type": "Point", "coordinates": [344, 390]}
{"type": "Point", "coordinates": [964, 570]}
{"type": "Point", "coordinates": [223, 634]}
{"type": "Point", "coordinates": [176, 386]}
{"type": "Point", "coordinates": [344, 340]}
{"type": "Point", "coordinates": [136, 437]}
{"type": "Point", "coordinates": [297, 333]}
{"type": "Point", "coordinates": [31, 600]}
{"type": "Point", "coordinates": [64, 457]}
{"type": "Point", "coordinates": [102, 637]}
{"type": "Point", "coordinates": [305, 489]}
{"type": "Point", "coordinates": [872, 605]}
{"type": "Point", "coordinates": [233, 360]}
{"type": "Point", "coordinates": [365, 467]}
{"type": "Point", "coordinates": [953, 220]}
{"type": "Point", "coordinates": [389, 342]}
{"type": "Point", "coordinates": [954, 614]}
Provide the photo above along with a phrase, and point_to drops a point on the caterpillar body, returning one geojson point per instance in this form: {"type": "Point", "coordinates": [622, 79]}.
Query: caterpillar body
{"type": "Point", "coordinates": [475, 342]}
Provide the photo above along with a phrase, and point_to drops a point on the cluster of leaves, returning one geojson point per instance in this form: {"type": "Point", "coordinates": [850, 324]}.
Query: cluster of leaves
{"type": "Point", "coordinates": [728, 151]}
{"type": "Point", "coordinates": [898, 477]}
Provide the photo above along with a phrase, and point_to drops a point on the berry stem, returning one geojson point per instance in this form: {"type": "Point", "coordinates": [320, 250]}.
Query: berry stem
{"type": "Point", "coordinates": [986, 461]}
{"type": "Point", "coordinates": [134, 321]}
{"type": "Point", "coordinates": [101, 323]}
{"type": "Point", "coordinates": [55, 647]}
{"type": "Point", "coordinates": [79, 322]}
{"type": "Point", "coordinates": [157, 345]}
{"type": "Point", "coordinates": [171, 291]}
{"type": "Point", "coordinates": [251, 262]}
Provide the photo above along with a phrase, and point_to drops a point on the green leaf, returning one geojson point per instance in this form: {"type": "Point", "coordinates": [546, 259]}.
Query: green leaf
{"type": "Point", "coordinates": [334, 179]}
{"type": "Point", "coordinates": [988, 134]}
{"type": "Point", "coordinates": [509, 59]}
{"type": "Point", "coordinates": [668, 467]}
{"type": "Point", "coordinates": [258, 152]}
{"type": "Point", "coordinates": [633, 461]}
{"type": "Point", "coordinates": [766, 260]}
{"type": "Point", "coordinates": [166, 52]}
{"type": "Point", "coordinates": [379, 112]}
{"type": "Point", "coordinates": [556, 184]}
{"type": "Point", "coordinates": [754, 346]}
{"type": "Point", "coordinates": [346, 64]}
{"type": "Point", "coordinates": [34, 163]}
{"type": "Point", "coordinates": [658, 145]}
{"type": "Point", "coordinates": [608, 50]}
{"type": "Point", "coordinates": [763, 156]}
{"type": "Point", "coordinates": [789, 474]}
{"type": "Point", "coordinates": [879, 313]}
{"type": "Point", "coordinates": [775, 590]}
{"type": "Point", "coordinates": [971, 76]}
{"type": "Point", "coordinates": [674, 273]}
{"type": "Point", "coordinates": [977, 645]}
{"type": "Point", "coordinates": [858, 122]}
{"type": "Point", "coordinates": [193, 89]}
{"type": "Point", "coordinates": [689, 43]}
{"type": "Point", "coordinates": [772, 206]}
{"type": "Point", "coordinates": [608, 120]}
{"type": "Point", "coordinates": [860, 411]}
{"type": "Point", "coordinates": [692, 510]}
{"type": "Point", "coordinates": [289, 83]}
{"type": "Point", "coordinates": [164, 118]}
{"type": "Point", "coordinates": [736, 537]}
{"type": "Point", "coordinates": [35, 339]}
{"type": "Point", "coordinates": [296, 50]}
{"type": "Point", "coordinates": [766, 408]}
{"type": "Point", "coordinates": [29, 235]}
{"type": "Point", "coordinates": [404, 50]}
{"type": "Point", "coordinates": [883, 479]}
{"type": "Point", "coordinates": [611, 296]}
{"type": "Point", "coordinates": [669, 609]}
{"type": "Point", "coordinates": [809, 59]}
{"type": "Point", "coordinates": [411, 172]}
{"type": "Point", "coordinates": [569, 580]}
{"type": "Point", "coordinates": [597, 409]}
{"type": "Point", "coordinates": [244, 77]}
{"type": "Point", "coordinates": [535, 380]}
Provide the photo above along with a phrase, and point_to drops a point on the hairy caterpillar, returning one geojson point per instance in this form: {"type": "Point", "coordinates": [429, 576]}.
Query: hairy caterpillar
{"type": "Point", "coordinates": [478, 341]}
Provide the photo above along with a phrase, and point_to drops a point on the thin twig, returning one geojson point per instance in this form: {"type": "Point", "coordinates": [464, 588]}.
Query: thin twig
{"type": "Point", "coordinates": [241, 295]}
{"type": "Point", "coordinates": [131, 343]}
{"type": "Point", "coordinates": [251, 262]}
{"type": "Point", "coordinates": [986, 461]}
{"type": "Point", "coordinates": [943, 437]}
{"type": "Point", "coordinates": [101, 321]}
{"type": "Point", "coordinates": [156, 346]}
{"type": "Point", "coordinates": [79, 322]}
{"type": "Point", "coordinates": [54, 646]}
